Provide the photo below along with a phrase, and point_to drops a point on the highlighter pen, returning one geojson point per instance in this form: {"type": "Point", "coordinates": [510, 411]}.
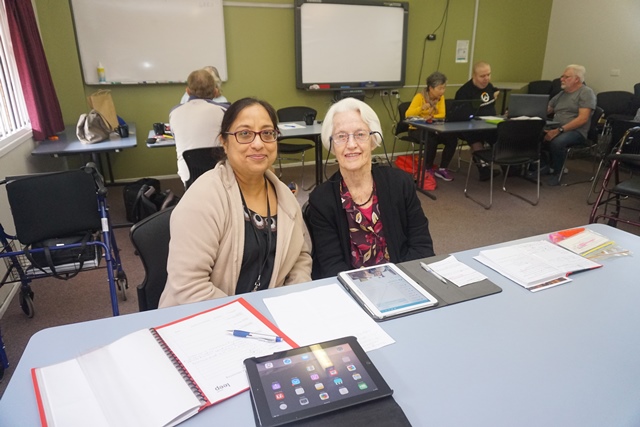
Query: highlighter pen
{"type": "Point", "coordinates": [430, 270]}
{"type": "Point", "coordinates": [255, 335]}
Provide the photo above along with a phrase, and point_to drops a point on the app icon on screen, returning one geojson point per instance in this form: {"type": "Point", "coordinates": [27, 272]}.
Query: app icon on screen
{"type": "Point", "coordinates": [346, 359]}
{"type": "Point", "coordinates": [295, 381]}
{"type": "Point", "coordinates": [362, 385]}
{"type": "Point", "coordinates": [283, 406]}
{"type": "Point", "coordinates": [275, 385]}
{"type": "Point", "coordinates": [356, 376]}
{"type": "Point", "coordinates": [279, 395]}
{"type": "Point", "coordinates": [337, 381]}
{"type": "Point", "coordinates": [311, 368]}
{"type": "Point", "coordinates": [315, 376]}
{"type": "Point", "coordinates": [333, 372]}
{"type": "Point", "coordinates": [304, 401]}
{"type": "Point", "coordinates": [343, 390]}
{"type": "Point", "coordinates": [351, 367]}
{"type": "Point", "coordinates": [324, 396]}
{"type": "Point", "coordinates": [286, 361]}
{"type": "Point", "coordinates": [299, 391]}
{"type": "Point", "coordinates": [268, 365]}
{"type": "Point", "coordinates": [319, 386]}
{"type": "Point", "coordinates": [305, 357]}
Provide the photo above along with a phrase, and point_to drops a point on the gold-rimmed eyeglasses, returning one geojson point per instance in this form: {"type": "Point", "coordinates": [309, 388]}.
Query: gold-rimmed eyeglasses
{"type": "Point", "coordinates": [360, 136]}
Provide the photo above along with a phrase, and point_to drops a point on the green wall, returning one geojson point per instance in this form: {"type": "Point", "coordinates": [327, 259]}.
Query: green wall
{"type": "Point", "coordinates": [511, 35]}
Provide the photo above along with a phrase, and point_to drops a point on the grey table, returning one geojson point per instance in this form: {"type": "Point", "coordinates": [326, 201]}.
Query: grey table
{"type": "Point", "coordinates": [68, 144]}
{"type": "Point", "coordinates": [438, 127]}
{"type": "Point", "coordinates": [565, 356]}
{"type": "Point", "coordinates": [306, 131]}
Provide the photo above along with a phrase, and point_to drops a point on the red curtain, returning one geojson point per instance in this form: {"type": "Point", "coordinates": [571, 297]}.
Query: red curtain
{"type": "Point", "coordinates": [37, 86]}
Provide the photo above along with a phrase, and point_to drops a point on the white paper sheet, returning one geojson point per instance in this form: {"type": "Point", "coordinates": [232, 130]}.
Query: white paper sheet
{"type": "Point", "coordinates": [325, 313]}
{"type": "Point", "coordinates": [455, 271]}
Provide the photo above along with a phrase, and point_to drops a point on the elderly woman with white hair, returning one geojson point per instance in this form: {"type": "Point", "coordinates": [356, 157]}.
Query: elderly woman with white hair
{"type": "Point", "coordinates": [363, 215]}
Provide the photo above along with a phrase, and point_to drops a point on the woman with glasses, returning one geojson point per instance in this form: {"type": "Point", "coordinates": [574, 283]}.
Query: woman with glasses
{"type": "Point", "coordinates": [363, 215]}
{"type": "Point", "coordinates": [238, 229]}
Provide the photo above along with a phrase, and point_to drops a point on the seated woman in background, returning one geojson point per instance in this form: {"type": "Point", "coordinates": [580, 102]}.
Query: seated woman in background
{"type": "Point", "coordinates": [238, 229]}
{"type": "Point", "coordinates": [363, 216]}
{"type": "Point", "coordinates": [429, 104]}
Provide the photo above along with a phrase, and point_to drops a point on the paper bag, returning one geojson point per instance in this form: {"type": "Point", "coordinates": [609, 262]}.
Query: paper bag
{"type": "Point", "coordinates": [102, 102]}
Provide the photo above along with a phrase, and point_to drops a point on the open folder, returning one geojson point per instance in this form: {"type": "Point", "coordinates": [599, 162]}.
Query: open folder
{"type": "Point", "coordinates": [158, 376]}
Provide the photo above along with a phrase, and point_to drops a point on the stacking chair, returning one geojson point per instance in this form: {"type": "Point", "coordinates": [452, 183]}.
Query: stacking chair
{"type": "Point", "coordinates": [150, 238]}
{"type": "Point", "coordinates": [200, 160]}
{"type": "Point", "coordinates": [590, 145]}
{"type": "Point", "coordinates": [619, 196]}
{"type": "Point", "coordinates": [294, 114]}
{"type": "Point", "coordinates": [401, 130]}
{"type": "Point", "coordinates": [540, 87]}
{"type": "Point", "coordinates": [636, 89]}
{"type": "Point", "coordinates": [518, 144]}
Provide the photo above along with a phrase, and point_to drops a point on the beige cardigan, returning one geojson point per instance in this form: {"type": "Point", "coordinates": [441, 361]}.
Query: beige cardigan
{"type": "Point", "coordinates": [207, 240]}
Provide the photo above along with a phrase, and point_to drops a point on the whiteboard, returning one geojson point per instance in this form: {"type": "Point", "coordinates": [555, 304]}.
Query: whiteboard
{"type": "Point", "coordinates": [350, 43]}
{"type": "Point", "coordinates": [149, 41]}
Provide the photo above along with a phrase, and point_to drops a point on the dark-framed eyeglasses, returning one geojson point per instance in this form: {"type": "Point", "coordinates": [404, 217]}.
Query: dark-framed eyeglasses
{"type": "Point", "coordinates": [360, 136]}
{"type": "Point", "coordinates": [246, 136]}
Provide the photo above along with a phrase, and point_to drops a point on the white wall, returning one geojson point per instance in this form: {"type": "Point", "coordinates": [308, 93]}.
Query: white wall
{"type": "Point", "coordinates": [601, 35]}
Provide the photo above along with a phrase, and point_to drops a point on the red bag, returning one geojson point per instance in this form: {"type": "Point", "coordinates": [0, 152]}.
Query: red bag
{"type": "Point", "coordinates": [429, 181]}
{"type": "Point", "coordinates": [408, 164]}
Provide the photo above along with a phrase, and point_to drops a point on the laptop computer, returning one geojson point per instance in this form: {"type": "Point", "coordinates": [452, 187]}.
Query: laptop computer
{"type": "Point", "coordinates": [528, 105]}
{"type": "Point", "coordinates": [461, 110]}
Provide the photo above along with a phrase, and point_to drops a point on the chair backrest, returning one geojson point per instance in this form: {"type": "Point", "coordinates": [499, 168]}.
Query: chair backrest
{"type": "Point", "coordinates": [150, 238]}
{"type": "Point", "coordinates": [46, 206]}
{"type": "Point", "coordinates": [518, 141]}
{"type": "Point", "coordinates": [556, 87]}
{"type": "Point", "coordinates": [294, 114]}
{"type": "Point", "coordinates": [200, 160]}
{"type": "Point", "coordinates": [618, 130]}
{"type": "Point", "coordinates": [540, 87]}
{"type": "Point", "coordinates": [401, 126]}
{"type": "Point", "coordinates": [592, 133]}
{"type": "Point", "coordinates": [615, 102]}
{"type": "Point", "coordinates": [636, 89]}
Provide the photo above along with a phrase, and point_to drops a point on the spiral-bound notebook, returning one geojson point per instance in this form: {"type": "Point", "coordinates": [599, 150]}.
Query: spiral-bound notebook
{"type": "Point", "coordinates": [158, 376]}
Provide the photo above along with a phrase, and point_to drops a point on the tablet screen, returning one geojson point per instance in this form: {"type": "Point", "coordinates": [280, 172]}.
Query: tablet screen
{"type": "Point", "coordinates": [385, 290]}
{"type": "Point", "coordinates": [311, 380]}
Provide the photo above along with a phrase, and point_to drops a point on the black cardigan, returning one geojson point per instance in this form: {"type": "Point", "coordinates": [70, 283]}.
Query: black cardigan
{"type": "Point", "coordinates": [405, 226]}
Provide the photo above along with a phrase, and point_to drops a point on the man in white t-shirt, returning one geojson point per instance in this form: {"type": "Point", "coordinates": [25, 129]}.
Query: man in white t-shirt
{"type": "Point", "coordinates": [196, 123]}
{"type": "Point", "coordinates": [218, 98]}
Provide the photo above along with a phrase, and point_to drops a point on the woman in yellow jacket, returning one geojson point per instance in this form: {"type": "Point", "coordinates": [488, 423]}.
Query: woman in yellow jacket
{"type": "Point", "coordinates": [429, 105]}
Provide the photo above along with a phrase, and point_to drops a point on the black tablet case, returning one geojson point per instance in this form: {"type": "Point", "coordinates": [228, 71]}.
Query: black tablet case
{"type": "Point", "coordinates": [446, 293]}
{"type": "Point", "coordinates": [380, 412]}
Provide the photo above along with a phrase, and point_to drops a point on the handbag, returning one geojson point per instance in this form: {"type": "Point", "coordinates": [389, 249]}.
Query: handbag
{"type": "Point", "coordinates": [92, 128]}
{"type": "Point", "coordinates": [63, 264]}
{"type": "Point", "coordinates": [102, 102]}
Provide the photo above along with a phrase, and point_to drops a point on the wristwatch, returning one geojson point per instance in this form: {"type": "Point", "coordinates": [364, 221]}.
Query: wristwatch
{"type": "Point", "coordinates": [560, 129]}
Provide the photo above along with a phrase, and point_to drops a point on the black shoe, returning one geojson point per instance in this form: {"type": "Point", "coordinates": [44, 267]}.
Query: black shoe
{"type": "Point", "coordinates": [484, 173]}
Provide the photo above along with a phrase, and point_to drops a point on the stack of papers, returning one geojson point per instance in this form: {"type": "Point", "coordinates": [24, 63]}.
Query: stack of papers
{"type": "Point", "coordinates": [585, 243]}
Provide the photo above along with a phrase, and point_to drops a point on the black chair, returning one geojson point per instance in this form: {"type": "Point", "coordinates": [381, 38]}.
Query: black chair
{"type": "Point", "coordinates": [200, 160]}
{"type": "Point", "coordinates": [150, 238]}
{"type": "Point", "coordinates": [401, 129]}
{"type": "Point", "coordinates": [616, 104]}
{"type": "Point", "coordinates": [619, 196]}
{"type": "Point", "coordinates": [556, 87]}
{"type": "Point", "coordinates": [518, 144]}
{"type": "Point", "coordinates": [590, 145]}
{"type": "Point", "coordinates": [540, 87]}
{"type": "Point", "coordinates": [636, 89]}
{"type": "Point", "coordinates": [294, 114]}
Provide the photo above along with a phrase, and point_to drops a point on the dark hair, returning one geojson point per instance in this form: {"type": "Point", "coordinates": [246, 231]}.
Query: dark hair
{"type": "Point", "coordinates": [436, 79]}
{"type": "Point", "coordinates": [234, 110]}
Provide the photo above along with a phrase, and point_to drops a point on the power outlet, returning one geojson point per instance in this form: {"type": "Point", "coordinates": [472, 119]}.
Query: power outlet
{"type": "Point", "coordinates": [395, 93]}
{"type": "Point", "coordinates": [384, 93]}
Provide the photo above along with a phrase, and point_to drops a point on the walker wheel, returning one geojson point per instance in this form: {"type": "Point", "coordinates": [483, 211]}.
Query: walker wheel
{"type": "Point", "coordinates": [123, 284]}
{"type": "Point", "coordinates": [26, 303]}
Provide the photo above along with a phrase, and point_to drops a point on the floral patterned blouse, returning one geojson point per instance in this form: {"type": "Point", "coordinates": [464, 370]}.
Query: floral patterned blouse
{"type": "Point", "coordinates": [368, 244]}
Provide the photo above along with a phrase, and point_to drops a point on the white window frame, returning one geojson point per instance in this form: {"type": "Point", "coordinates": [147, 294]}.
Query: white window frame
{"type": "Point", "coordinates": [15, 126]}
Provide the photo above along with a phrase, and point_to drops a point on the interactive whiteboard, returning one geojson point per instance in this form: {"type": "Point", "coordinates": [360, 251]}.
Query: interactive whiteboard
{"type": "Point", "coordinates": [149, 41]}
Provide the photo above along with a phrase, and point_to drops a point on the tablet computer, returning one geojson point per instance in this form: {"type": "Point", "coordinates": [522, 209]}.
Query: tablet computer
{"type": "Point", "coordinates": [308, 381]}
{"type": "Point", "coordinates": [386, 291]}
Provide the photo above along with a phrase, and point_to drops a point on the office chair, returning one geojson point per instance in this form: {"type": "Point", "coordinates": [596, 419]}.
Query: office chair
{"type": "Point", "coordinates": [620, 191]}
{"type": "Point", "coordinates": [200, 160]}
{"type": "Point", "coordinates": [590, 145]}
{"type": "Point", "coordinates": [540, 87]}
{"type": "Point", "coordinates": [556, 87]}
{"type": "Point", "coordinates": [150, 238]}
{"type": "Point", "coordinates": [617, 104]}
{"type": "Point", "coordinates": [518, 144]}
{"type": "Point", "coordinates": [636, 89]}
{"type": "Point", "coordinates": [294, 114]}
{"type": "Point", "coordinates": [401, 131]}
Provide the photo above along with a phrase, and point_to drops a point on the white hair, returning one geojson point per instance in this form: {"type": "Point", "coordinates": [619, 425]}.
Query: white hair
{"type": "Point", "coordinates": [579, 70]}
{"type": "Point", "coordinates": [351, 104]}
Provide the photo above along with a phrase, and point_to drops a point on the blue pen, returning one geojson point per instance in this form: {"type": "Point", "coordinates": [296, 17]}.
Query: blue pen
{"type": "Point", "coordinates": [255, 335]}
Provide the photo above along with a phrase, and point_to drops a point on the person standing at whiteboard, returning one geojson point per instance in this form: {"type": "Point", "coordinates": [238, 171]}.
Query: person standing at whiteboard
{"type": "Point", "coordinates": [196, 123]}
{"type": "Point", "coordinates": [218, 98]}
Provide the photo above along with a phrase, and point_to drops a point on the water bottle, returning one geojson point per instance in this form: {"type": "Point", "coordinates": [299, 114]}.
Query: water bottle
{"type": "Point", "coordinates": [101, 75]}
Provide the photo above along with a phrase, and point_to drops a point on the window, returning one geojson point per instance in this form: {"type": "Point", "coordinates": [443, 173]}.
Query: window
{"type": "Point", "coordinates": [14, 120]}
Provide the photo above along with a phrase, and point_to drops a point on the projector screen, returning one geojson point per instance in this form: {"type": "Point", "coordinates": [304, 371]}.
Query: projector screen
{"type": "Point", "coordinates": [343, 44]}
